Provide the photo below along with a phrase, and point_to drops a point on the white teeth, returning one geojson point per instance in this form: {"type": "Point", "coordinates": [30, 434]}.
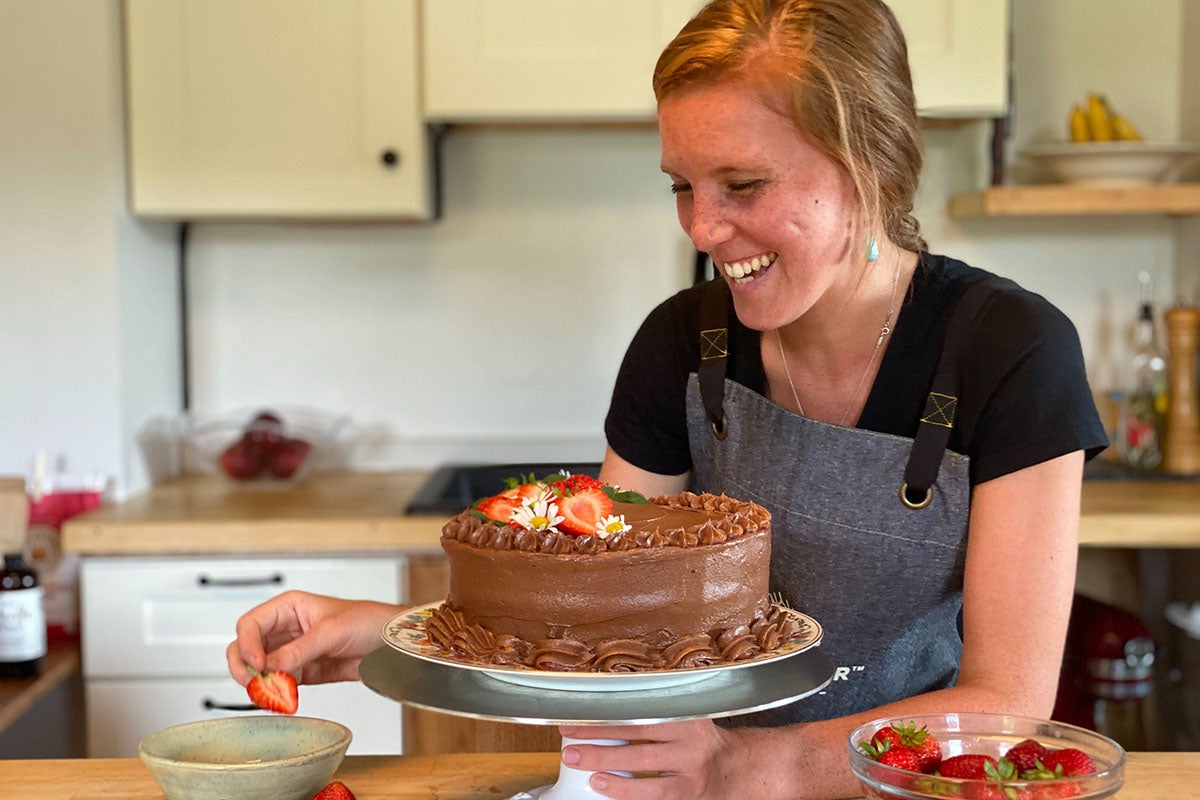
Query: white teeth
{"type": "Point", "coordinates": [743, 271]}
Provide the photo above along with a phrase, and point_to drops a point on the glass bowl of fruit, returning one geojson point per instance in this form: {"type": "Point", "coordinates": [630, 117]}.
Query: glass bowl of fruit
{"type": "Point", "coordinates": [983, 756]}
{"type": "Point", "coordinates": [265, 447]}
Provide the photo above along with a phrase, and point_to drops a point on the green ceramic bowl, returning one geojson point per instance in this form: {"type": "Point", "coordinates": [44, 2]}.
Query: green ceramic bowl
{"type": "Point", "coordinates": [260, 757]}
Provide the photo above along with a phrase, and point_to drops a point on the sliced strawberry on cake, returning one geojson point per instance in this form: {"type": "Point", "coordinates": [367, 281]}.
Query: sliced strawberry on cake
{"type": "Point", "coordinates": [581, 510]}
{"type": "Point", "coordinates": [500, 507]}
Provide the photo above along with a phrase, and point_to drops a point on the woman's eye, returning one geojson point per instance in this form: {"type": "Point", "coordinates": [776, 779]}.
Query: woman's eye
{"type": "Point", "coordinates": [677, 188]}
{"type": "Point", "coordinates": [741, 187]}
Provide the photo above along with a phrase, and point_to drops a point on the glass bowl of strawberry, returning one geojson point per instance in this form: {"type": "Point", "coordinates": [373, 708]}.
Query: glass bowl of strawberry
{"type": "Point", "coordinates": [983, 757]}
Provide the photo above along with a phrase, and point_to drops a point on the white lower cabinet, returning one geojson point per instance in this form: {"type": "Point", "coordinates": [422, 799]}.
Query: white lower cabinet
{"type": "Point", "coordinates": [155, 632]}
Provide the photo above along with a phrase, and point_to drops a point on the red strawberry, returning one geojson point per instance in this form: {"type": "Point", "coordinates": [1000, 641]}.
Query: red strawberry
{"type": "Point", "coordinates": [1055, 790]}
{"type": "Point", "coordinates": [334, 790]}
{"type": "Point", "coordinates": [1025, 754]}
{"type": "Point", "coordinates": [500, 507]}
{"type": "Point", "coordinates": [273, 691]}
{"type": "Point", "coordinates": [998, 785]}
{"type": "Point", "coordinates": [926, 745]}
{"type": "Point", "coordinates": [885, 737]}
{"type": "Point", "coordinates": [583, 509]}
{"type": "Point", "coordinates": [966, 766]}
{"type": "Point", "coordinates": [576, 483]}
{"type": "Point", "coordinates": [901, 757]}
{"type": "Point", "coordinates": [1073, 762]}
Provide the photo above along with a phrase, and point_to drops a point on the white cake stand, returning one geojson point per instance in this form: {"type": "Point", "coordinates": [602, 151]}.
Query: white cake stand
{"type": "Point", "coordinates": [471, 691]}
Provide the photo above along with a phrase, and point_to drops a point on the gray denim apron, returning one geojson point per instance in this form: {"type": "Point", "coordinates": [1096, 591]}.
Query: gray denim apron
{"type": "Point", "coordinates": [869, 530]}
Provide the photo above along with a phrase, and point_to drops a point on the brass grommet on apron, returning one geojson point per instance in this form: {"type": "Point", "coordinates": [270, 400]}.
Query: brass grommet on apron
{"type": "Point", "coordinates": [720, 429]}
{"type": "Point", "coordinates": [915, 505]}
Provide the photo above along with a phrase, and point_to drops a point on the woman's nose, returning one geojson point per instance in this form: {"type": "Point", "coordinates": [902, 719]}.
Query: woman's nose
{"type": "Point", "coordinates": [707, 226]}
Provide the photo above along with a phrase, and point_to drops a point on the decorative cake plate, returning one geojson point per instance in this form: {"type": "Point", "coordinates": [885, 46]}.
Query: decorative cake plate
{"type": "Point", "coordinates": [406, 633]}
{"type": "Point", "coordinates": [409, 671]}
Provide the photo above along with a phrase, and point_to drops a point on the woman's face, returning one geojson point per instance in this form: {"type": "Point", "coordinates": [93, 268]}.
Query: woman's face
{"type": "Point", "coordinates": [775, 214]}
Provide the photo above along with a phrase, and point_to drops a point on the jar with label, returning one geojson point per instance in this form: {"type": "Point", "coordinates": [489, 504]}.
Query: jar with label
{"type": "Point", "coordinates": [22, 620]}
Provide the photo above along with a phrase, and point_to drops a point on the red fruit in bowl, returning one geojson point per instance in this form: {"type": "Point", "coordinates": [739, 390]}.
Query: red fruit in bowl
{"type": "Point", "coordinates": [966, 766]}
{"type": "Point", "coordinates": [1073, 762]}
{"type": "Point", "coordinates": [242, 460]}
{"type": "Point", "coordinates": [1025, 754]}
{"type": "Point", "coordinates": [901, 757]}
{"type": "Point", "coordinates": [286, 458]}
{"type": "Point", "coordinates": [265, 430]}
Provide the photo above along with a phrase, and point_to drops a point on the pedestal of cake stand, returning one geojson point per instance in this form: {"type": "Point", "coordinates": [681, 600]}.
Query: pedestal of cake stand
{"type": "Point", "coordinates": [472, 691]}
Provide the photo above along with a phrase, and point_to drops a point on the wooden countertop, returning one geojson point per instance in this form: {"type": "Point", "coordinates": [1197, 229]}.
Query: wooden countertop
{"type": "Point", "coordinates": [494, 776]}
{"type": "Point", "coordinates": [364, 512]}
{"type": "Point", "coordinates": [335, 512]}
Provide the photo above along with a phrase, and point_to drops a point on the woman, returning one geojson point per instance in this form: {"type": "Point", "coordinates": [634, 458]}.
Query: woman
{"type": "Point", "coordinates": [916, 427]}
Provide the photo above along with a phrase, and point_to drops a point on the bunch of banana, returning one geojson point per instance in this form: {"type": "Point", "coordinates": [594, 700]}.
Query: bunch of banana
{"type": "Point", "coordinates": [1095, 121]}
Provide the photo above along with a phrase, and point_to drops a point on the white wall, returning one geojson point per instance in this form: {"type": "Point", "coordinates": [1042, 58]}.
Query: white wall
{"type": "Point", "coordinates": [495, 332]}
{"type": "Point", "coordinates": [85, 304]}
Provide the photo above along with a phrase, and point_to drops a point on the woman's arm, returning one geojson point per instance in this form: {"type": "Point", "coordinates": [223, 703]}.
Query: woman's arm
{"type": "Point", "coordinates": [1020, 577]}
{"type": "Point", "coordinates": [616, 471]}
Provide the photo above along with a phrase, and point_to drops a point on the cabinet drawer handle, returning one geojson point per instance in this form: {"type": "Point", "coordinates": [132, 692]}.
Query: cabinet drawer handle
{"type": "Point", "coordinates": [204, 580]}
{"type": "Point", "coordinates": [213, 705]}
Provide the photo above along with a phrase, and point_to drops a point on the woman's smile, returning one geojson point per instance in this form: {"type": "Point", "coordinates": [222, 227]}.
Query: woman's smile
{"type": "Point", "coordinates": [749, 269]}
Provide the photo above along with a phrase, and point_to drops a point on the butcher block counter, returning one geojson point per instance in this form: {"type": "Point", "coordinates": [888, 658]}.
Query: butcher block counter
{"type": "Point", "coordinates": [1148, 776]}
{"type": "Point", "coordinates": [364, 512]}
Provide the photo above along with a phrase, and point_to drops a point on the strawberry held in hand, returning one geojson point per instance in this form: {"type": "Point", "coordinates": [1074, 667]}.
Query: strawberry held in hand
{"type": "Point", "coordinates": [273, 690]}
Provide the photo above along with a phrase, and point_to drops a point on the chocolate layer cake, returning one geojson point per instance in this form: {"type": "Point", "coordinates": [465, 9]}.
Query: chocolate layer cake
{"type": "Point", "coordinates": [684, 584]}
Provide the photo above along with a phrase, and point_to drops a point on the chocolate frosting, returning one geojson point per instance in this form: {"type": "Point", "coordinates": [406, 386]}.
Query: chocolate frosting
{"type": "Point", "coordinates": [685, 587]}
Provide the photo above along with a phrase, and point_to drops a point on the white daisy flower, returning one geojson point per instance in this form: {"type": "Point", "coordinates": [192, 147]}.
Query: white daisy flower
{"type": "Point", "coordinates": [540, 514]}
{"type": "Point", "coordinates": [610, 525]}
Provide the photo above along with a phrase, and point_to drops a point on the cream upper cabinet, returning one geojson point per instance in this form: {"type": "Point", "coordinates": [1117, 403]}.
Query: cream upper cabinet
{"type": "Point", "coordinates": [545, 59]}
{"type": "Point", "coordinates": [514, 60]}
{"type": "Point", "coordinates": [275, 108]}
{"type": "Point", "coordinates": [958, 54]}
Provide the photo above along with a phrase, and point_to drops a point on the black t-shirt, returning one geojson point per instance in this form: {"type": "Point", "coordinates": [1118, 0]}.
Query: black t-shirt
{"type": "Point", "coordinates": [1024, 397]}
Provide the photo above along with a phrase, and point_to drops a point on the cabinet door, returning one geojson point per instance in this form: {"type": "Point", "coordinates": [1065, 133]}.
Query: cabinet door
{"type": "Point", "coordinates": [593, 59]}
{"type": "Point", "coordinates": [145, 617]}
{"type": "Point", "coordinates": [275, 108]}
{"type": "Point", "coordinates": [122, 712]}
{"type": "Point", "coordinates": [545, 59]}
{"type": "Point", "coordinates": [958, 54]}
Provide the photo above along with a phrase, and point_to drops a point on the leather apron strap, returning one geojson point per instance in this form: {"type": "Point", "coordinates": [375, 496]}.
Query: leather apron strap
{"type": "Point", "coordinates": [941, 406]}
{"type": "Point", "coordinates": [714, 351]}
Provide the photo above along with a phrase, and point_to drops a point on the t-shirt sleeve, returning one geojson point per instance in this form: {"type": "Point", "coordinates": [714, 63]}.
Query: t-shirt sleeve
{"type": "Point", "coordinates": [1029, 388]}
{"type": "Point", "coordinates": [647, 418]}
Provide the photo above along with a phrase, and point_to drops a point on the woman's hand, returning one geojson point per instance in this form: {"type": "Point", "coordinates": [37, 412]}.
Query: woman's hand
{"type": "Point", "coordinates": [317, 639]}
{"type": "Point", "coordinates": [696, 760]}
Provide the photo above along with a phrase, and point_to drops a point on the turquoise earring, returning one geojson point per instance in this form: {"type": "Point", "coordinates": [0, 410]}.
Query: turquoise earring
{"type": "Point", "coordinates": [872, 249]}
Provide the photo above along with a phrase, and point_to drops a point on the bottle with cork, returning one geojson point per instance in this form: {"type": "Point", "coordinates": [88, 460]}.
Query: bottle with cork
{"type": "Point", "coordinates": [22, 614]}
{"type": "Point", "coordinates": [1181, 445]}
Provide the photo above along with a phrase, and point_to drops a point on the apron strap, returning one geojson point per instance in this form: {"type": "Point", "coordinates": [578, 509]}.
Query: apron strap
{"type": "Point", "coordinates": [937, 420]}
{"type": "Point", "coordinates": [714, 351]}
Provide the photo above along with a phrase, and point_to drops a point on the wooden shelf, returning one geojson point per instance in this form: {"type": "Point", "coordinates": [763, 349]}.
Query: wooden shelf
{"type": "Point", "coordinates": [1061, 200]}
{"type": "Point", "coordinates": [17, 695]}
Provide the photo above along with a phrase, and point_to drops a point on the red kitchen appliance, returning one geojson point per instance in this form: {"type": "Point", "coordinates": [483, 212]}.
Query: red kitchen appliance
{"type": "Point", "coordinates": [1107, 675]}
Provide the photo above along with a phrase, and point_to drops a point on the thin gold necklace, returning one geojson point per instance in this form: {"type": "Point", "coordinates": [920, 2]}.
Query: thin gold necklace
{"type": "Point", "coordinates": [884, 330]}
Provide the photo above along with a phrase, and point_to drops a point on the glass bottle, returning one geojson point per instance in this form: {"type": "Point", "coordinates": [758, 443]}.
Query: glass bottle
{"type": "Point", "coordinates": [1145, 403]}
{"type": "Point", "coordinates": [22, 620]}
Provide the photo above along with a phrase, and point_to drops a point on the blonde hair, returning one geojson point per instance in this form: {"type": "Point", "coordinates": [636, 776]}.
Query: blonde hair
{"type": "Point", "coordinates": [840, 67]}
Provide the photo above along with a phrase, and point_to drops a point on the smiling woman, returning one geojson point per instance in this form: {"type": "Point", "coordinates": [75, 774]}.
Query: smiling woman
{"type": "Point", "coordinates": [915, 426]}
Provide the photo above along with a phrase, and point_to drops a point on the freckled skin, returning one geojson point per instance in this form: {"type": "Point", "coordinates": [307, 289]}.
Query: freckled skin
{"type": "Point", "coordinates": [748, 183]}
